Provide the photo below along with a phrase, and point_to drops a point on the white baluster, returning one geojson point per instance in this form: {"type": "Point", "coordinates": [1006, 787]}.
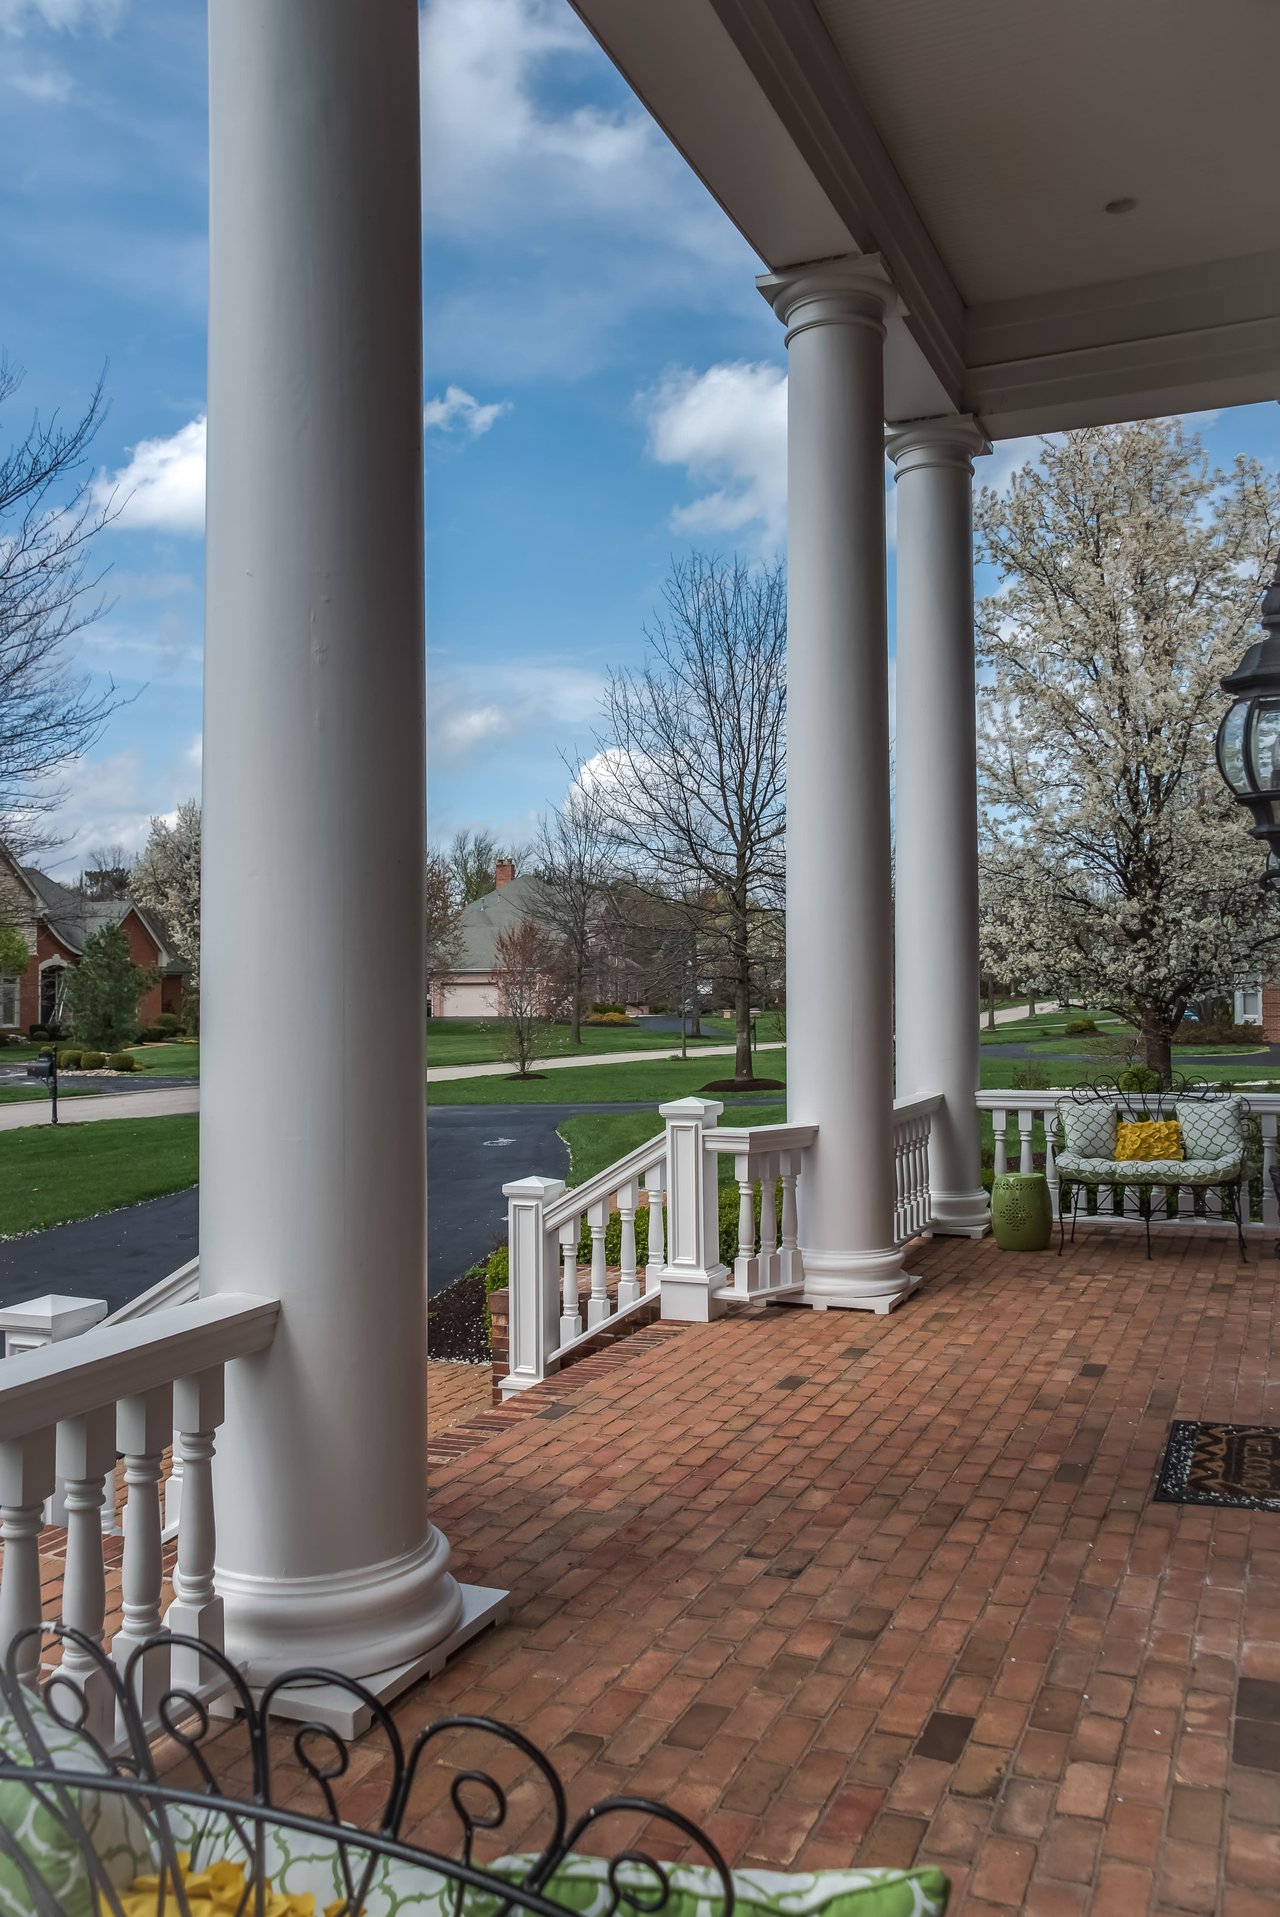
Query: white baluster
{"type": "Point", "coordinates": [1051, 1166]}
{"type": "Point", "coordinates": [26, 1480]}
{"type": "Point", "coordinates": [656, 1257]}
{"type": "Point", "coordinates": [745, 1268]}
{"type": "Point", "coordinates": [1270, 1210]}
{"type": "Point", "coordinates": [899, 1184]}
{"type": "Point", "coordinates": [144, 1427]}
{"type": "Point", "coordinates": [196, 1611]}
{"type": "Point", "coordinates": [86, 1457]}
{"type": "Point", "coordinates": [570, 1316]}
{"type": "Point", "coordinates": [790, 1265]}
{"type": "Point", "coordinates": [598, 1302]}
{"type": "Point", "coordinates": [999, 1120]}
{"type": "Point", "coordinates": [628, 1282]}
{"type": "Point", "coordinates": [768, 1256]}
{"type": "Point", "coordinates": [924, 1214]}
{"type": "Point", "coordinates": [1026, 1120]}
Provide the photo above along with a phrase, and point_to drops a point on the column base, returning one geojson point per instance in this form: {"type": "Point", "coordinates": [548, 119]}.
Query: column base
{"type": "Point", "coordinates": [855, 1280]}
{"type": "Point", "coordinates": [960, 1214]}
{"type": "Point", "coordinates": [693, 1300]}
{"type": "Point", "coordinates": [362, 1621]}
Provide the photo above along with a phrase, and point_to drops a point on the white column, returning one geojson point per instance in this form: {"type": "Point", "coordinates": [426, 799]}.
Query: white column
{"type": "Point", "coordinates": [839, 953]}
{"type": "Point", "coordinates": [936, 807]}
{"type": "Point", "coordinates": [313, 1176]}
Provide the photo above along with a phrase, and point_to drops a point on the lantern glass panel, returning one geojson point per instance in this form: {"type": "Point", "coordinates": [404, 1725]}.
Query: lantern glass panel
{"type": "Point", "coordinates": [1264, 746]}
{"type": "Point", "coordinates": [1231, 747]}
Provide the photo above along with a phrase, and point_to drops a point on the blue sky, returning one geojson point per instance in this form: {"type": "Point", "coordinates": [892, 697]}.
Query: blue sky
{"type": "Point", "coordinates": [605, 386]}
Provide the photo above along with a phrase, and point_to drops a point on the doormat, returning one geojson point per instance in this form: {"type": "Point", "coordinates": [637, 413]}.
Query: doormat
{"type": "Point", "coordinates": [1236, 1465]}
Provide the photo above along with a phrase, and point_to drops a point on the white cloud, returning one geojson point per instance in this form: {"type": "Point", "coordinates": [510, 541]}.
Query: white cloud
{"type": "Point", "coordinates": [476, 707]}
{"type": "Point", "coordinates": [728, 428]}
{"type": "Point", "coordinates": [458, 410]}
{"type": "Point", "coordinates": [63, 16]}
{"type": "Point", "coordinates": [49, 86]}
{"type": "Point", "coordinates": [109, 801]}
{"type": "Point", "coordinates": [162, 487]}
{"type": "Point", "coordinates": [573, 210]}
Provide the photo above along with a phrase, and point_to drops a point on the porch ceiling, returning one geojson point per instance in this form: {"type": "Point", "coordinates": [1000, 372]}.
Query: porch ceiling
{"type": "Point", "coordinates": [976, 148]}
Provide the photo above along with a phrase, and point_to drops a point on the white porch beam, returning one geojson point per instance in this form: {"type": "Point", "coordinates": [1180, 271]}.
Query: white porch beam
{"type": "Point", "coordinates": [313, 1176]}
{"type": "Point", "coordinates": [936, 808]}
{"type": "Point", "coordinates": [839, 966]}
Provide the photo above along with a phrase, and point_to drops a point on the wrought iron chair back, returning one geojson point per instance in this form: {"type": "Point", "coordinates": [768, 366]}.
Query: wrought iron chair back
{"type": "Point", "coordinates": [478, 1801]}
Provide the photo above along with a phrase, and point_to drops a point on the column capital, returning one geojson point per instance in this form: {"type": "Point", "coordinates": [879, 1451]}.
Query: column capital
{"type": "Point", "coordinates": [953, 439]}
{"type": "Point", "coordinates": [853, 289]}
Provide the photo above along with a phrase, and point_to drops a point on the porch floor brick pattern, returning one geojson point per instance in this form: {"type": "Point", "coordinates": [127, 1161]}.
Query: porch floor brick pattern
{"type": "Point", "coordinates": [870, 1617]}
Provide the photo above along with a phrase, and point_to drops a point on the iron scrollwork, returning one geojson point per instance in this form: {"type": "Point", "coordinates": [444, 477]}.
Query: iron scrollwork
{"type": "Point", "coordinates": [478, 1799]}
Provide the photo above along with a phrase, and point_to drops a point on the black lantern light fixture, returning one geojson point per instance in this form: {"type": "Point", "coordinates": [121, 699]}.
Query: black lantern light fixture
{"type": "Point", "coordinates": [1249, 736]}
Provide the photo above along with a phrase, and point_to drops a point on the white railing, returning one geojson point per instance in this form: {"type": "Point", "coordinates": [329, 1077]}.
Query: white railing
{"type": "Point", "coordinates": [766, 1166]}
{"type": "Point", "coordinates": [1031, 1108]}
{"type": "Point", "coordinates": [65, 1412]}
{"type": "Point", "coordinates": [677, 1174]}
{"type": "Point", "coordinates": [913, 1202]}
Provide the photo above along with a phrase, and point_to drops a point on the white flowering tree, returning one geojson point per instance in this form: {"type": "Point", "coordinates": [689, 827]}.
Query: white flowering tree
{"type": "Point", "coordinates": [166, 878]}
{"type": "Point", "coordinates": [1116, 864]}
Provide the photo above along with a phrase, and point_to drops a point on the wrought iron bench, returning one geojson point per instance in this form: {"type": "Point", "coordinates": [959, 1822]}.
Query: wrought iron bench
{"type": "Point", "coordinates": [84, 1829]}
{"type": "Point", "coordinates": [1212, 1119]}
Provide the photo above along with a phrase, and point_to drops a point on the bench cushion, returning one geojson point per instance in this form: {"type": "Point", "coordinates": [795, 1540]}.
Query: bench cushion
{"type": "Point", "coordinates": [1155, 1171]}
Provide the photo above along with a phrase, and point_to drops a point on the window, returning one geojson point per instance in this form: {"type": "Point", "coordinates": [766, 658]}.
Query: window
{"type": "Point", "coordinates": [10, 993]}
{"type": "Point", "coordinates": [1249, 999]}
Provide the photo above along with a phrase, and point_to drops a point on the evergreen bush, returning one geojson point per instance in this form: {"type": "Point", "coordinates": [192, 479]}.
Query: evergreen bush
{"type": "Point", "coordinates": [92, 1061]}
{"type": "Point", "coordinates": [68, 1058]}
{"type": "Point", "coordinates": [122, 1062]}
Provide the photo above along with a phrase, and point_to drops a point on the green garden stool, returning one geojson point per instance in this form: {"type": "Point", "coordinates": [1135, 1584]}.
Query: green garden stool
{"type": "Point", "coordinates": [1021, 1215]}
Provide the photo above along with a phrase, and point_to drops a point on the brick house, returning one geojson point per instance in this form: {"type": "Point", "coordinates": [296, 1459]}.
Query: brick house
{"type": "Point", "coordinates": [57, 920]}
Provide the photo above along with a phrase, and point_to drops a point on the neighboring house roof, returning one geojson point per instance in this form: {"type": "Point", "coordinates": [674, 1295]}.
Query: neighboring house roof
{"type": "Point", "coordinates": [72, 918]}
{"type": "Point", "coordinates": [480, 922]}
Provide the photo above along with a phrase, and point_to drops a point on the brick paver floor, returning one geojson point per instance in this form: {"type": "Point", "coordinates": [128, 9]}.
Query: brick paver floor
{"type": "Point", "coordinates": [845, 1588]}
{"type": "Point", "coordinates": [455, 1392]}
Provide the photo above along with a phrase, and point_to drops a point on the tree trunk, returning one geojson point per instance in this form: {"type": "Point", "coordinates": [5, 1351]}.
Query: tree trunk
{"type": "Point", "coordinates": [1031, 1006]}
{"type": "Point", "coordinates": [991, 1005]}
{"type": "Point", "coordinates": [575, 1011]}
{"type": "Point", "coordinates": [1157, 1052]}
{"type": "Point", "coordinates": [743, 1068]}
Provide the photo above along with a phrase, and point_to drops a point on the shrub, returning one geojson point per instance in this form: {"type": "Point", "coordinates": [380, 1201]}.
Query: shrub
{"type": "Point", "coordinates": [598, 1005]}
{"type": "Point", "coordinates": [607, 1018]}
{"type": "Point", "coordinates": [122, 1062]}
{"type": "Point", "coordinates": [1219, 1032]}
{"type": "Point", "coordinates": [68, 1059]}
{"type": "Point", "coordinates": [36, 1032]}
{"type": "Point", "coordinates": [168, 1023]}
{"type": "Point", "coordinates": [1139, 1078]}
{"type": "Point", "coordinates": [92, 1061]}
{"type": "Point", "coordinates": [1029, 1077]}
{"type": "Point", "coordinates": [1077, 1027]}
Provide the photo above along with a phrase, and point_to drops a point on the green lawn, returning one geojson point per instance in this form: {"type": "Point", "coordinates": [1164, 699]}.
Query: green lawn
{"type": "Point", "coordinates": [597, 1084]}
{"type": "Point", "coordinates": [474, 1041]}
{"type": "Point", "coordinates": [178, 1060]}
{"type": "Point", "coordinates": [597, 1139]}
{"type": "Point", "coordinates": [49, 1176]}
{"type": "Point", "coordinates": [23, 1094]}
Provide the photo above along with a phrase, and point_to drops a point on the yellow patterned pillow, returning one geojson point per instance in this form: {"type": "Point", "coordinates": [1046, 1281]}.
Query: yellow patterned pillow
{"type": "Point", "coordinates": [1150, 1140]}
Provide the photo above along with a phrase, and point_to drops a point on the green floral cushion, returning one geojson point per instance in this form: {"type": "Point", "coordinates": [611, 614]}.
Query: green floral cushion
{"type": "Point", "coordinates": [1161, 1171]}
{"type": "Point", "coordinates": [1211, 1127]}
{"type": "Point", "coordinates": [297, 1864]}
{"type": "Point", "coordinates": [44, 1827]}
{"type": "Point", "coordinates": [582, 1884]}
{"type": "Point", "coordinates": [1090, 1128]}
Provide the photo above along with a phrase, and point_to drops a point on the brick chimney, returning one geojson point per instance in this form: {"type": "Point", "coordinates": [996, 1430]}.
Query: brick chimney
{"type": "Point", "coordinates": [503, 873]}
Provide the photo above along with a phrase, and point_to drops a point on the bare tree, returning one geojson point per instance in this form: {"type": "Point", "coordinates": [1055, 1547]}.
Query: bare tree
{"type": "Point", "coordinates": [107, 874]}
{"type": "Point", "coordinates": [526, 960]}
{"type": "Point", "coordinates": [49, 516]}
{"type": "Point", "coordinates": [693, 760]}
{"type": "Point", "coordinates": [443, 910]}
{"type": "Point", "coordinates": [576, 857]}
{"type": "Point", "coordinates": [471, 858]}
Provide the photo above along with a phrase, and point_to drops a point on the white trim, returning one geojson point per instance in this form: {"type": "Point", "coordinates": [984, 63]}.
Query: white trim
{"type": "Point", "coordinates": [11, 981]}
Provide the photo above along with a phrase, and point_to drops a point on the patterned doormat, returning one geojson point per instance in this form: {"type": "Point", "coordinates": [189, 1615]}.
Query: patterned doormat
{"type": "Point", "coordinates": [1224, 1464]}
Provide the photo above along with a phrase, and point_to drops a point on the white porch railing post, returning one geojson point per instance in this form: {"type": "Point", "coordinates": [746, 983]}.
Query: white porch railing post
{"type": "Point", "coordinates": [745, 1267]}
{"type": "Point", "coordinates": [570, 1316]}
{"type": "Point", "coordinates": [144, 1427]}
{"type": "Point", "coordinates": [790, 1265]}
{"type": "Point", "coordinates": [86, 1456]}
{"type": "Point", "coordinates": [196, 1611]}
{"type": "Point", "coordinates": [26, 1479]}
{"type": "Point", "coordinates": [655, 1185]}
{"type": "Point", "coordinates": [767, 1257]}
{"type": "Point", "coordinates": [1270, 1209]}
{"type": "Point", "coordinates": [693, 1271]}
{"type": "Point", "coordinates": [533, 1281]}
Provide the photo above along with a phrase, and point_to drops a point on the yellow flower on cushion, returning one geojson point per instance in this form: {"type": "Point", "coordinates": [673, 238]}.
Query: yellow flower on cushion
{"type": "Point", "coordinates": [1150, 1140]}
{"type": "Point", "coordinates": [215, 1891]}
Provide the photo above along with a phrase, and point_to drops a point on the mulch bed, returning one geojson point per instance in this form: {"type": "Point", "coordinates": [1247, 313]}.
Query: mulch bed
{"type": "Point", "coordinates": [456, 1327]}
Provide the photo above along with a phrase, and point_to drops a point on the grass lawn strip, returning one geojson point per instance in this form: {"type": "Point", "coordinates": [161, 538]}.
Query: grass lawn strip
{"type": "Point", "coordinates": [50, 1176]}
{"type": "Point", "coordinates": [181, 1059]}
{"type": "Point", "coordinates": [598, 1084]}
{"type": "Point", "coordinates": [597, 1139]}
